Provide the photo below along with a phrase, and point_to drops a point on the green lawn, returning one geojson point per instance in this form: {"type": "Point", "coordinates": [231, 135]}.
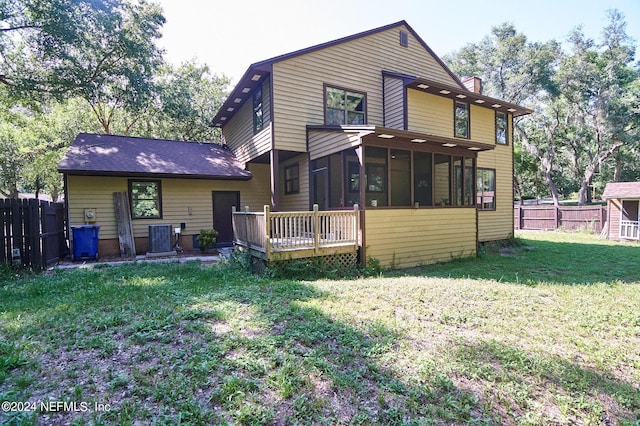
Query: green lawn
{"type": "Point", "coordinates": [548, 333]}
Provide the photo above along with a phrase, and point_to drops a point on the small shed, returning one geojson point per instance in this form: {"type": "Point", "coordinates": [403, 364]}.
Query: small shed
{"type": "Point", "coordinates": [623, 210]}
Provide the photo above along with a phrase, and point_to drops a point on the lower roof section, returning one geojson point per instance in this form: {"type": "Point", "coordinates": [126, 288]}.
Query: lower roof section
{"type": "Point", "coordinates": [389, 136]}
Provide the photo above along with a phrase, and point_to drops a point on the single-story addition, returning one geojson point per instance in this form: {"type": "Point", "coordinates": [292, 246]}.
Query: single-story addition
{"type": "Point", "coordinates": [623, 210]}
{"type": "Point", "coordinates": [186, 184]}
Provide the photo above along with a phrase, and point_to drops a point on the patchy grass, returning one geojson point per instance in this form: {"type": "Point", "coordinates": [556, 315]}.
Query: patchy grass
{"type": "Point", "coordinates": [545, 333]}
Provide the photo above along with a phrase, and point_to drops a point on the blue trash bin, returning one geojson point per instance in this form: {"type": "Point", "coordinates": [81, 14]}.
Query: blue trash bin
{"type": "Point", "coordinates": [85, 242]}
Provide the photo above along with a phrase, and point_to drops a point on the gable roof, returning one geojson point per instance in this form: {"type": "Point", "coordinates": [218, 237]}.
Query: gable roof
{"type": "Point", "coordinates": [258, 70]}
{"type": "Point", "coordinates": [621, 190]}
{"type": "Point", "coordinates": [113, 155]}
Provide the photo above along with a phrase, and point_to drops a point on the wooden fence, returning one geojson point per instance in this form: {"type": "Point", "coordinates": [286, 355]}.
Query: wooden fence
{"type": "Point", "coordinates": [566, 217]}
{"type": "Point", "coordinates": [33, 233]}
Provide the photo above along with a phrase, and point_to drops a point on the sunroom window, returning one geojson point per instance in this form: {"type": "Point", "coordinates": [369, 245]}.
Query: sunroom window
{"type": "Point", "coordinates": [344, 106]}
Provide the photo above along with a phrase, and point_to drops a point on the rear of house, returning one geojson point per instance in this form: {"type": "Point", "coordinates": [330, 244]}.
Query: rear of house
{"type": "Point", "coordinates": [377, 120]}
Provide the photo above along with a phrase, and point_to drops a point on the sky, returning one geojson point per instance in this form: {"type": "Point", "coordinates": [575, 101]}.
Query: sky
{"type": "Point", "coordinates": [230, 35]}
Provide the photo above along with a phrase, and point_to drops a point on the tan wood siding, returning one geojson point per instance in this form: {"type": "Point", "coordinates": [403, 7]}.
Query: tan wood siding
{"type": "Point", "coordinates": [498, 224]}
{"type": "Point", "coordinates": [483, 124]}
{"type": "Point", "coordinates": [393, 103]}
{"type": "Point", "coordinates": [238, 133]}
{"type": "Point", "coordinates": [410, 237]}
{"type": "Point", "coordinates": [323, 143]}
{"type": "Point", "coordinates": [429, 113]}
{"type": "Point", "coordinates": [613, 217]}
{"type": "Point", "coordinates": [299, 201]}
{"type": "Point", "coordinates": [183, 200]}
{"type": "Point", "coordinates": [298, 96]}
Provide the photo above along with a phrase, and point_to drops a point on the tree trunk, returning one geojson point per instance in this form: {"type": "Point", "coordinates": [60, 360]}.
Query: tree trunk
{"type": "Point", "coordinates": [617, 172]}
{"type": "Point", "coordinates": [552, 188]}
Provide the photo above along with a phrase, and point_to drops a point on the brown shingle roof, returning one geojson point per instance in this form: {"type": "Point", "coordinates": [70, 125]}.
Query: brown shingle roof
{"type": "Point", "coordinates": [93, 154]}
{"type": "Point", "coordinates": [622, 190]}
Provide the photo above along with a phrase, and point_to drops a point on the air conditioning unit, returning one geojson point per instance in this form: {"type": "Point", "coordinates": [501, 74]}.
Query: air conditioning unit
{"type": "Point", "coordinates": [159, 238]}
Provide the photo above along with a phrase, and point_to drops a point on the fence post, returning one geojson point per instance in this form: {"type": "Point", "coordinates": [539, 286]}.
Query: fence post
{"type": "Point", "coordinates": [316, 228]}
{"type": "Point", "coordinates": [34, 233]}
{"type": "Point", "coordinates": [556, 218]}
{"type": "Point", "coordinates": [267, 231]}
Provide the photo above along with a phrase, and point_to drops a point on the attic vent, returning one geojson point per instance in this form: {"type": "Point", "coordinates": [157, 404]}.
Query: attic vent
{"type": "Point", "coordinates": [159, 238]}
{"type": "Point", "coordinates": [404, 39]}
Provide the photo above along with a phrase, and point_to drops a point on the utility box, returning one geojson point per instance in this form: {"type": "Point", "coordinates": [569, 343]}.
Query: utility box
{"type": "Point", "coordinates": [85, 242]}
{"type": "Point", "coordinates": [160, 238]}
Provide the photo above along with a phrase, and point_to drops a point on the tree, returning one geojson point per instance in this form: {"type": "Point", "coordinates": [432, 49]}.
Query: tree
{"type": "Point", "coordinates": [186, 98]}
{"type": "Point", "coordinates": [101, 51]}
{"type": "Point", "coordinates": [601, 89]}
{"type": "Point", "coordinates": [518, 71]}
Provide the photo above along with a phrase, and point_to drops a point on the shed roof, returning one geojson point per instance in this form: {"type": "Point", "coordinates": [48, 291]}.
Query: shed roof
{"type": "Point", "coordinates": [113, 155]}
{"type": "Point", "coordinates": [621, 190]}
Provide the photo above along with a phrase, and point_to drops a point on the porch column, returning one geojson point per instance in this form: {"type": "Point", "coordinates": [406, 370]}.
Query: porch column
{"type": "Point", "coordinates": [275, 180]}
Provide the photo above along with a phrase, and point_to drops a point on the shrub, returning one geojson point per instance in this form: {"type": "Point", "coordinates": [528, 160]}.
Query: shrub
{"type": "Point", "coordinates": [207, 239]}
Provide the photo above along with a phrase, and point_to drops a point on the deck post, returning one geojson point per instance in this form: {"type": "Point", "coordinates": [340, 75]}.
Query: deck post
{"type": "Point", "coordinates": [356, 230]}
{"type": "Point", "coordinates": [233, 224]}
{"type": "Point", "coordinates": [316, 228]}
{"type": "Point", "coordinates": [246, 226]}
{"type": "Point", "coordinates": [267, 228]}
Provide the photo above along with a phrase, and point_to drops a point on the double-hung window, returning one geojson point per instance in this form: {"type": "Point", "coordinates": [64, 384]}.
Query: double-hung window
{"type": "Point", "coordinates": [461, 120]}
{"type": "Point", "coordinates": [292, 179]}
{"type": "Point", "coordinates": [257, 110]}
{"type": "Point", "coordinates": [344, 106]}
{"type": "Point", "coordinates": [146, 199]}
{"type": "Point", "coordinates": [502, 134]}
{"type": "Point", "coordinates": [486, 189]}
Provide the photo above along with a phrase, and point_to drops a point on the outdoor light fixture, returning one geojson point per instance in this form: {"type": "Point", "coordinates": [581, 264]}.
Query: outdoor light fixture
{"type": "Point", "coordinates": [385, 136]}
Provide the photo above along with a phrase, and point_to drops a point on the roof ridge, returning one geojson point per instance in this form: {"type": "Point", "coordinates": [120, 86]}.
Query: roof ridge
{"type": "Point", "coordinates": [149, 139]}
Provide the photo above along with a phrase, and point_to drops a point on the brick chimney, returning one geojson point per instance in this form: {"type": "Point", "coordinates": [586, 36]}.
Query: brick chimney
{"type": "Point", "coordinates": [473, 84]}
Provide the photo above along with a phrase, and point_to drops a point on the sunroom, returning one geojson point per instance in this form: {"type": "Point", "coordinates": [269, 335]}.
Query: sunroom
{"type": "Point", "coordinates": [380, 175]}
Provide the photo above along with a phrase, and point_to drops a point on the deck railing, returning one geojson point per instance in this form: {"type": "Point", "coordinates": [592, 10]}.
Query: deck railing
{"type": "Point", "coordinates": [270, 232]}
{"type": "Point", "coordinates": [629, 229]}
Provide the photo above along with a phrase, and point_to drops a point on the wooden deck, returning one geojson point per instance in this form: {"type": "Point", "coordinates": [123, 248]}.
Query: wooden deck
{"type": "Point", "coordinates": [294, 235]}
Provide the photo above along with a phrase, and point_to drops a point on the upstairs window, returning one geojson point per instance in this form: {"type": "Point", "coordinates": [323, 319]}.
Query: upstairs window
{"type": "Point", "coordinates": [344, 106]}
{"type": "Point", "coordinates": [145, 199]}
{"type": "Point", "coordinates": [501, 128]}
{"type": "Point", "coordinates": [257, 109]}
{"type": "Point", "coordinates": [461, 120]}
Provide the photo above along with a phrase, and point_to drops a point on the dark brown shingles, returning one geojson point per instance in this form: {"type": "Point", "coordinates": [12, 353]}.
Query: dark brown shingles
{"type": "Point", "coordinates": [94, 154]}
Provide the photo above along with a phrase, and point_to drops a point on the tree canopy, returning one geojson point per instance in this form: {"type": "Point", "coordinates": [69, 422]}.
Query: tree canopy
{"type": "Point", "coordinates": [585, 97]}
{"type": "Point", "coordinates": [71, 66]}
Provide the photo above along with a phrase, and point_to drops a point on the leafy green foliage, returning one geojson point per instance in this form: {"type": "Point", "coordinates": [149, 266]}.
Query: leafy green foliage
{"type": "Point", "coordinates": [207, 239]}
{"type": "Point", "coordinates": [584, 130]}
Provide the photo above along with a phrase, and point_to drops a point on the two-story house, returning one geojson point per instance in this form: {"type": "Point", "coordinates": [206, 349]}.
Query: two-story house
{"type": "Point", "coordinates": [405, 162]}
{"type": "Point", "coordinates": [377, 120]}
